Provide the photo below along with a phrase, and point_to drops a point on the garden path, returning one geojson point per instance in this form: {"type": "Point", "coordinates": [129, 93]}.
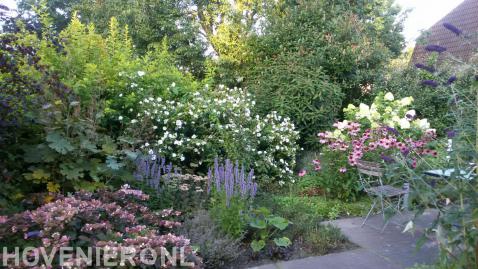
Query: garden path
{"type": "Point", "coordinates": [391, 249]}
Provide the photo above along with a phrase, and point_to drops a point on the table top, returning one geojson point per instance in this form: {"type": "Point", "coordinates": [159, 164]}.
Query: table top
{"type": "Point", "coordinates": [448, 172]}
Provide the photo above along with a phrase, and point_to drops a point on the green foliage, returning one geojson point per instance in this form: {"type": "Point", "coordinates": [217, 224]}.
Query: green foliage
{"type": "Point", "coordinates": [217, 122]}
{"type": "Point", "coordinates": [430, 103]}
{"type": "Point", "coordinates": [307, 212]}
{"type": "Point", "coordinates": [150, 23]}
{"type": "Point", "coordinates": [265, 226]}
{"type": "Point", "coordinates": [292, 207]}
{"type": "Point", "coordinates": [296, 87]}
{"type": "Point", "coordinates": [454, 197]}
{"type": "Point", "coordinates": [331, 181]}
{"type": "Point", "coordinates": [186, 193]}
{"type": "Point", "coordinates": [71, 136]}
{"type": "Point", "coordinates": [215, 247]}
{"type": "Point", "coordinates": [325, 239]}
{"type": "Point", "coordinates": [100, 69]}
{"type": "Point", "coordinates": [338, 53]}
{"type": "Point", "coordinates": [73, 151]}
{"type": "Point", "coordinates": [231, 219]}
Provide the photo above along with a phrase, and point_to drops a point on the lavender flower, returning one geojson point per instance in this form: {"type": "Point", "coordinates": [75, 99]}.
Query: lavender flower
{"type": "Point", "coordinates": [435, 48]}
{"type": "Point", "coordinates": [231, 179]}
{"type": "Point", "coordinates": [387, 159]}
{"type": "Point", "coordinates": [453, 28]}
{"type": "Point", "coordinates": [424, 67]}
{"type": "Point", "coordinates": [451, 133]}
{"type": "Point", "coordinates": [392, 130]}
{"type": "Point", "coordinates": [209, 180]}
{"type": "Point", "coordinates": [153, 171]}
{"type": "Point", "coordinates": [430, 83]}
{"type": "Point", "coordinates": [451, 80]}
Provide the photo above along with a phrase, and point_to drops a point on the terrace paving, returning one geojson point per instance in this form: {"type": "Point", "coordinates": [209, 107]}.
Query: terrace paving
{"type": "Point", "coordinates": [391, 249]}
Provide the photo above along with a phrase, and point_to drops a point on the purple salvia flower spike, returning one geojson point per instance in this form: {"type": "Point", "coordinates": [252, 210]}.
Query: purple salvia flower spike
{"type": "Point", "coordinates": [451, 80]}
{"type": "Point", "coordinates": [430, 83]}
{"type": "Point", "coordinates": [453, 28]}
{"type": "Point", "coordinates": [435, 48]}
{"type": "Point", "coordinates": [209, 180]}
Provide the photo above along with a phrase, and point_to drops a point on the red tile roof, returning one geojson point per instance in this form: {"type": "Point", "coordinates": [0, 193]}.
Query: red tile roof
{"type": "Point", "coordinates": [465, 18]}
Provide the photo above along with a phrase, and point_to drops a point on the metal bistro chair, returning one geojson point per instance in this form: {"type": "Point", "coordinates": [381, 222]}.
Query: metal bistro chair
{"type": "Point", "coordinates": [370, 175]}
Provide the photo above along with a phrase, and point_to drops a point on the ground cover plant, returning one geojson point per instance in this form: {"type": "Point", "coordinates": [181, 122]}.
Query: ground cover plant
{"type": "Point", "coordinates": [114, 220]}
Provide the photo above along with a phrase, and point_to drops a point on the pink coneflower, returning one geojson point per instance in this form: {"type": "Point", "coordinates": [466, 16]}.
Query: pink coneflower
{"type": "Point", "coordinates": [302, 173]}
{"type": "Point", "coordinates": [342, 170]}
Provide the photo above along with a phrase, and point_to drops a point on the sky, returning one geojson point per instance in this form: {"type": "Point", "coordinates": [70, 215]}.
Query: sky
{"type": "Point", "coordinates": [424, 14]}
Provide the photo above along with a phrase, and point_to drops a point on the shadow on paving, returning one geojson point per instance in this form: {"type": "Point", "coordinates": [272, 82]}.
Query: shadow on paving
{"type": "Point", "coordinates": [390, 249]}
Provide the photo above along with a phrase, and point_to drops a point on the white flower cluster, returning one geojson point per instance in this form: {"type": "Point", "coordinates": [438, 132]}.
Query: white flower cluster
{"type": "Point", "coordinates": [387, 111]}
{"type": "Point", "coordinates": [219, 122]}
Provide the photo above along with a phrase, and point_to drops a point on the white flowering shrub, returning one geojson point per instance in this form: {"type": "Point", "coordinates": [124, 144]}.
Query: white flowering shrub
{"type": "Point", "coordinates": [387, 111]}
{"type": "Point", "coordinates": [217, 123]}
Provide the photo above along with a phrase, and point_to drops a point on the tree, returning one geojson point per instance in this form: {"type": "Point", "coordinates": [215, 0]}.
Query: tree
{"type": "Point", "coordinates": [349, 41]}
{"type": "Point", "coordinates": [150, 22]}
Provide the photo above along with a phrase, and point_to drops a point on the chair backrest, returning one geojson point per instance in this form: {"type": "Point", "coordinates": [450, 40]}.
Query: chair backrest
{"type": "Point", "coordinates": [370, 173]}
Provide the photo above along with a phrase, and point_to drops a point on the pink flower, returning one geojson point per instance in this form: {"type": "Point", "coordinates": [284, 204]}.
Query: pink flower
{"type": "Point", "coordinates": [317, 167]}
{"type": "Point", "coordinates": [3, 219]}
{"type": "Point", "coordinates": [302, 173]}
{"type": "Point", "coordinates": [342, 170]}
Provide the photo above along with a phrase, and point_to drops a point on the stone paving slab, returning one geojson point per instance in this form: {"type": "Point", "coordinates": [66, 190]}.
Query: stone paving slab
{"type": "Point", "coordinates": [400, 248]}
{"type": "Point", "coordinates": [391, 249]}
{"type": "Point", "coordinates": [353, 259]}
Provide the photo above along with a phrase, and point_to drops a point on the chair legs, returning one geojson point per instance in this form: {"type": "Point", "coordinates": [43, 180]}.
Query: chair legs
{"type": "Point", "coordinates": [369, 212]}
{"type": "Point", "coordinates": [398, 208]}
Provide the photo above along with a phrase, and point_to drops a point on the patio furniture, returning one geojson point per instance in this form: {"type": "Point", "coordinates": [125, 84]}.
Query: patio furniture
{"type": "Point", "coordinates": [467, 174]}
{"type": "Point", "coordinates": [370, 174]}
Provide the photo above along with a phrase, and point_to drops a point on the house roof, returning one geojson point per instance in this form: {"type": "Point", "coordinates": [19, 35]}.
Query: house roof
{"type": "Point", "coordinates": [465, 18]}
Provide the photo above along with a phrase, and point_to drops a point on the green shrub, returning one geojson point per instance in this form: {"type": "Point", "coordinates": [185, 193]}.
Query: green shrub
{"type": "Point", "coordinates": [333, 182]}
{"type": "Point", "coordinates": [430, 103]}
{"type": "Point", "coordinates": [298, 90]}
{"type": "Point", "coordinates": [325, 239]}
{"type": "Point", "coordinates": [217, 123]}
{"type": "Point", "coordinates": [232, 218]}
{"type": "Point", "coordinates": [316, 56]}
{"type": "Point", "coordinates": [74, 114]}
{"type": "Point", "coordinates": [73, 153]}
{"type": "Point", "coordinates": [217, 248]}
{"type": "Point", "coordinates": [266, 229]}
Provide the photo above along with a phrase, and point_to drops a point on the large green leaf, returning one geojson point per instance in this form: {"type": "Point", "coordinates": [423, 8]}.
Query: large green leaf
{"type": "Point", "coordinates": [109, 147]}
{"type": "Point", "coordinates": [71, 171]}
{"type": "Point", "coordinates": [113, 164]}
{"type": "Point", "coordinates": [60, 144]}
{"type": "Point", "coordinates": [258, 245]}
{"type": "Point", "coordinates": [85, 143]}
{"type": "Point", "coordinates": [282, 242]}
{"type": "Point", "coordinates": [278, 222]}
{"type": "Point", "coordinates": [40, 174]}
{"type": "Point", "coordinates": [39, 154]}
{"type": "Point", "coordinates": [258, 223]}
{"type": "Point", "coordinates": [132, 155]}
